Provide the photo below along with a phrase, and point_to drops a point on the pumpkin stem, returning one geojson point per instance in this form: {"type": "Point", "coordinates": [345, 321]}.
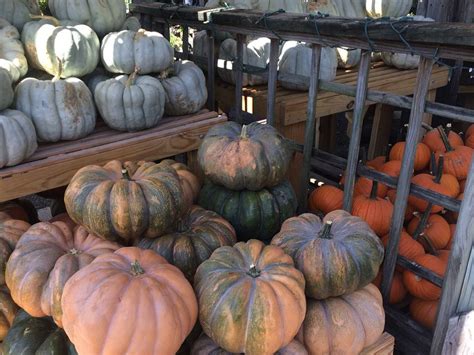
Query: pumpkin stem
{"type": "Point", "coordinates": [74, 251]}
{"type": "Point", "coordinates": [169, 72]}
{"type": "Point", "coordinates": [125, 174]}
{"type": "Point", "coordinates": [439, 170]}
{"type": "Point", "coordinates": [244, 133]}
{"type": "Point", "coordinates": [253, 271]}
{"type": "Point", "coordinates": [54, 20]}
{"type": "Point", "coordinates": [57, 76]}
{"type": "Point", "coordinates": [427, 126]}
{"type": "Point", "coordinates": [137, 269]}
{"type": "Point", "coordinates": [325, 233]}
{"type": "Point", "coordinates": [387, 152]}
{"type": "Point", "coordinates": [449, 127]}
{"type": "Point", "coordinates": [373, 192]}
{"type": "Point", "coordinates": [445, 139]}
{"type": "Point", "coordinates": [432, 164]}
{"type": "Point", "coordinates": [423, 221]}
{"type": "Point", "coordinates": [431, 249]}
{"type": "Point", "coordinates": [132, 77]}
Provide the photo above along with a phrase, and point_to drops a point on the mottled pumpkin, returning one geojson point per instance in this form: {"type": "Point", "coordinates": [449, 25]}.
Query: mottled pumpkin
{"type": "Point", "coordinates": [10, 232]}
{"type": "Point", "coordinates": [337, 255]}
{"type": "Point", "coordinates": [254, 215]}
{"type": "Point", "coordinates": [244, 157]}
{"type": "Point", "coordinates": [424, 312]}
{"type": "Point", "coordinates": [125, 201]}
{"type": "Point", "coordinates": [196, 236]}
{"type": "Point", "coordinates": [130, 299]}
{"type": "Point", "coordinates": [343, 325]}
{"type": "Point", "coordinates": [8, 310]}
{"type": "Point", "coordinates": [241, 292]}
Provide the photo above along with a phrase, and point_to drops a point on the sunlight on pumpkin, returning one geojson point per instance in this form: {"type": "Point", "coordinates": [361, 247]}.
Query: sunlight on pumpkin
{"type": "Point", "coordinates": [374, 5]}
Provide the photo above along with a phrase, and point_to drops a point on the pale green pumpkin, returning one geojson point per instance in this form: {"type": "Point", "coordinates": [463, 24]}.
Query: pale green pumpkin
{"type": "Point", "coordinates": [12, 55]}
{"type": "Point", "coordinates": [18, 12]}
{"type": "Point", "coordinates": [6, 90]}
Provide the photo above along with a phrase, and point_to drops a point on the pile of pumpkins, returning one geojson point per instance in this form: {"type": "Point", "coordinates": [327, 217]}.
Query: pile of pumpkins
{"type": "Point", "coordinates": [442, 163]}
{"type": "Point", "coordinates": [99, 61]}
{"type": "Point", "coordinates": [134, 264]}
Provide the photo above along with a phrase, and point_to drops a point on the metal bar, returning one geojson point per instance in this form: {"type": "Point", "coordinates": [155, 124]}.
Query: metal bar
{"type": "Point", "coordinates": [419, 270]}
{"type": "Point", "coordinates": [211, 72]}
{"type": "Point", "coordinates": [358, 120]}
{"type": "Point", "coordinates": [239, 77]}
{"type": "Point", "coordinates": [272, 80]}
{"type": "Point", "coordinates": [310, 125]}
{"type": "Point", "coordinates": [406, 173]}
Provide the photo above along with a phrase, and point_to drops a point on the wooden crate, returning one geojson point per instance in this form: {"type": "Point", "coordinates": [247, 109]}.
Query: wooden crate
{"type": "Point", "coordinates": [53, 165]}
{"type": "Point", "coordinates": [383, 346]}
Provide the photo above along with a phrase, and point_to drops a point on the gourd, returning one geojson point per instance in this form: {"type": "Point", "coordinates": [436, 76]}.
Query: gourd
{"type": "Point", "coordinates": [388, 8]}
{"type": "Point", "coordinates": [135, 300]}
{"type": "Point", "coordinates": [12, 54]}
{"type": "Point", "coordinates": [126, 51]}
{"type": "Point", "coordinates": [337, 255]}
{"type": "Point", "coordinates": [63, 49]}
{"type": "Point", "coordinates": [18, 12]}
{"type": "Point", "coordinates": [130, 102]}
{"type": "Point", "coordinates": [6, 89]}
{"type": "Point", "coordinates": [44, 259]}
{"type": "Point", "coordinates": [60, 109]}
{"type": "Point", "coordinates": [141, 200]}
{"type": "Point", "coordinates": [196, 235]}
{"type": "Point", "coordinates": [295, 66]}
{"type": "Point", "coordinates": [8, 309]}
{"type": "Point", "coordinates": [17, 138]}
{"type": "Point", "coordinates": [249, 157]}
{"type": "Point", "coordinates": [422, 155]}
{"type": "Point", "coordinates": [326, 199]}
{"type": "Point", "coordinates": [185, 88]}
{"type": "Point", "coordinates": [102, 17]}
{"type": "Point", "coordinates": [241, 291]}
{"type": "Point", "coordinates": [11, 231]}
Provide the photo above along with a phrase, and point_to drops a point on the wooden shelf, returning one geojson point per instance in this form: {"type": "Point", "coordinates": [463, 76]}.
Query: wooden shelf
{"type": "Point", "coordinates": [383, 346]}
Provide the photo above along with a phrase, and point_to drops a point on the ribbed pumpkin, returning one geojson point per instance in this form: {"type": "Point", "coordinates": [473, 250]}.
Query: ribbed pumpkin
{"type": "Point", "coordinates": [125, 201]}
{"type": "Point", "coordinates": [434, 141]}
{"type": "Point", "coordinates": [424, 312]}
{"type": "Point", "coordinates": [337, 255]}
{"type": "Point", "coordinates": [342, 8]}
{"type": "Point", "coordinates": [343, 325]}
{"type": "Point", "coordinates": [19, 209]}
{"type": "Point", "coordinates": [348, 58]}
{"type": "Point", "coordinates": [130, 299]}
{"type": "Point", "coordinates": [377, 162]}
{"type": "Point", "coordinates": [326, 199]}
{"type": "Point", "coordinates": [12, 54]}
{"type": "Point", "coordinates": [29, 335]}
{"type": "Point", "coordinates": [392, 195]}
{"type": "Point", "coordinates": [19, 12]}
{"type": "Point", "coordinates": [189, 182]}
{"type": "Point", "coordinates": [10, 232]}
{"type": "Point", "coordinates": [45, 257]}
{"type": "Point", "coordinates": [391, 168]}
{"type": "Point", "coordinates": [244, 157]}
{"type": "Point", "coordinates": [124, 51]}
{"type": "Point", "coordinates": [469, 141]}
{"type": "Point", "coordinates": [363, 186]}
{"type": "Point", "coordinates": [241, 291]}
{"type": "Point", "coordinates": [457, 160]}
{"type": "Point", "coordinates": [195, 237]}
{"type": "Point", "coordinates": [256, 214]}
{"type": "Point", "coordinates": [398, 291]}
{"type": "Point", "coordinates": [437, 230]}
{"type": "Point", "coordinates": [8, 309]}
{"type": "Point", "coordinates": [6, 89]}
{"type": "Point", "coordinates": [407, 247]}
{"type": "Point", "coordinates": [376, 211]}
{"type": "Point", "coordinates": [422, 155]}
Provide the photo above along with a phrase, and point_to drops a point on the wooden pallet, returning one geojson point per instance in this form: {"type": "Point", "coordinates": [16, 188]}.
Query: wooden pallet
{"type": "Point", "coordinates": [383, 346]}
{"type": "Point", "coordinates": [53, 165]}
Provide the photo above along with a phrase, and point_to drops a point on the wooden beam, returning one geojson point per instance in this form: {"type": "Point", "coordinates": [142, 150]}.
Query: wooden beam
{"type": "Point", "coordinates": [460, 338]}
{"type": "Point", "coordinates": [272, 80]}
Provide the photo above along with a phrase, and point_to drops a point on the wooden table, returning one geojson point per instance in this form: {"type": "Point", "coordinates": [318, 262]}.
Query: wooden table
{"type": "Point", "coordinates": [53, 165]}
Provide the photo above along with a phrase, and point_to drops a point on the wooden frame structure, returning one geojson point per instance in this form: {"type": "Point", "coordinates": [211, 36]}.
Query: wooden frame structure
{"type": "Point", "coordinates": [432, 41]}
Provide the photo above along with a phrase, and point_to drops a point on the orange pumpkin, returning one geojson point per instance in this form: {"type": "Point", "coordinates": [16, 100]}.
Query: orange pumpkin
{"type": "Point", "coordinates": [377, 162]}
{"type": "Point", "coordinates": [462, 185]}
{"type": "Point", "coordinates": [407, 247]}
{"type": "Point", "coordinates": [457, 160]}
{"type": "Point", "coordinates": [436, 230]}
{"type": "Point", "coordinates": [392, 195]}
{"type": "Point", "coordinates": [391, 168]}
{"type": "Point", "coordinates": [363, 186]}
{"type": "Point", "coordinates": [434, 141]}
{"type": "Point", "coordinates": [470, 131]}
{"type": "Point", "coordinates": [397, 290]}
{"type": "Point", "coordinates": [422, 155]}
{"type": "Point", "coordinates": [11, 231]}
{"type": "Point", "coordinates": [424, 312]}
{"type": "Point", "coordinates": [326, 199]}
{"type": "Point", "coordinates": [129, 299]}
{"type": "Point", "coordinates": [469, 140]}
{"type": "Point", "coordinates": [20, 209]}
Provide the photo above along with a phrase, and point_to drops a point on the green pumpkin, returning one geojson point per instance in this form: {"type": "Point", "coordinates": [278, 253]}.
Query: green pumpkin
{"type": "Point", "coordinates": [30, 335]}
{"type": "Point", "coordinates": [253, 214]}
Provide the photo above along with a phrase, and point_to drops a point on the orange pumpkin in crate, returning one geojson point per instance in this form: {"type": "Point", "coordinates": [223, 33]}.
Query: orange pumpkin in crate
{"type": "Point", "coordinates": [424, 312]}
{"type": "Point", "coordinates": [436, 230]}
{"type": "Point", "coordinates": [391, 168]}
{"type": "Point", "coordinates": [326, 199]}
{"type": "Point", "coordinates": [457, 160]}
{"type": "Point", "coordinates": [434, 141]}
{"type": "Point", "coordinates": [407, 247]}
{"type": "Point", "coordinates": [422, 155]}
{"type": "Point", "coordinates": [397, 290]}
{"type": "Point", "coordinates": [469, 140]}
{"type": "Point", "coordinates": [363, 186]}
{"type": "Point", "coordinates": [392, 195]}
{"type": "Point", "coordinates": [452, 228]}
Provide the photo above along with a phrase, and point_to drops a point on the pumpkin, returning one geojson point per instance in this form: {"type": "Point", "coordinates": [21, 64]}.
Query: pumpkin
{"type": "Point", "coordinates": [297, 6]}
{"type": "Point", "coordinates": [61, 49]}
{"type": "Point", "coordinates": [18, 209]}
{"type": "Point", "coordinates": [134, 299]}
{"type": "Point", "coordinates": [130, 103]}
{"type": "Point", "coordinates": [342, 8]}
{"type": "Point", "coordinates": [10, 232]}
{"type": "Point", "coordinates": [326, 199]}
{"type": "Point", "coordinates": [6, 89]}
{"type": "Point", "coordinates": [391, 168]}
{"type": "Point", "coordinates": [124, 51]}
{"type": "Point", "coordinates": [422, 155]}
{"type": "Point", "coordinates": [469, 141]}
{"type": "Point", "coordinates": [295, 66]}
{"type": "Point", "coordinates": [18, 12]}
{"type": "Point", "coordinates": [185, 88]}
{"type": "Point", "coordinates": [102, 17]}
{"type": "Point", "coordinates": [457, 160]}
{"type": "Point", "coordinates": [392, 195]}
{"type": "Point", "coordinates": [407, 247]}
{"type": "Point", "coordinates": [95, 78]}
{"type": "Point", "coordinates": [436, 230]}
{"type": "Point", "coordinates": [244, 157]}
{"type": "Point", "coordinates": [348, 58]}
{"type": "Point", "coordinates": [434, 141]}
{"type": "Point", "coordinates": [343, 325]}
{"type": "Point", "coordinates": [420, 287]}
{"type": "Point", "coordinates": [17, 138]}
{"type": "Point", "coordinates": [29, 335]}
{"type": "Point", "coordinates": [363, 186]}
{"type": "Point", "coordinates": [470, 130]}
{"type": "Point", "coordinates": [59, 109]}
{"type": "Point", "coordinates": [125, 201]}
{"type": "Point", "coordinates": [256, 53]}
{"type": "Point", "coordinates": [462, 185]}
{"type": "Point", "coordinates": [376, 211]}
{"type": "Point", "coordinates": [45, 257]}
{"type": "Point", "coordinates": [256, 214]}
{"type": "Point", "coordinates": [8, 309]}
{"type": "Point", "coordinates": [388, 8]}
{"type": "Point", "coordinates": [132, 23]}
{"type": "Point", "coordinates": [195, 237]}
{"type": "Point", "coordinates": [377, 162]}
{"type": "Point", "coordinates": [240, 291]}
{"type": "Point", "coordinates": [424, 312]}
{"type": "Point", "coordinates": [337, 255]}
{"type": "Point", "coordinates": [398, 291]}
{"type": "Point", "coordinates": [189, 182]}
{"type": "Point", "coordinates": [12, 54]}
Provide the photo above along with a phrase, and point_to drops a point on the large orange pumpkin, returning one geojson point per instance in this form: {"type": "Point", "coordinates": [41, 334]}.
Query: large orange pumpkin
{"type": "Point", "coordinates": [457, 160]}
{"type": "Point", "coordinates": [434, 141]}
{"type": "Point", "coordinates": [397, 289]}
{"type": "Point", "coordinates": [407, 247]}
{"type": "Point", "coordinates": [326, 199]}
{"type": "Point", "coordinates": [8, 310]}
{"type": "Point", "coordinates": [424, 312]}
{"type": "Point", "coordinates": [129, 301]}
{"type": "Point", "coordinates": [363, 186]}
{"type": "Point", "coordinates": [343, 325]}
{"type": "Point", "coordinates": [45, 257]}
{"type": "Point", "coordinates": [436, 230]}
{"type": "Point", "coordinates": [391, 168]}
{"type": "Point", "coordinates": [392, 195]}
{"type": "Point", "coordinates": [337, 255]}
{"type": "Point", "coordinates": [10, 232]}
{"type": "Point", "coordinates": [126, 201]}
{"type": "Point", "coordinates": [422, 155]}
{"type": "Point", "coordinates": [251, 298]}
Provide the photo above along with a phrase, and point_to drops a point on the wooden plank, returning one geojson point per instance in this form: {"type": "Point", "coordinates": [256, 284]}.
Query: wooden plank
{"type": "Point", "coordinates": [383, 346]}
{"type": "Point", "coordinates": [272, 80]}
{"type": "Point", "coordinates": [460, 338]}
{"type": "Point", "coordinates": [466, 299]}
{"type": "Point", "coordinates": [381, 129]}
{"type": "Point", "coordinates": [211, 71]}
{"type": "Point", "coordinates": [427, 117]}
{"type": "Point", "coordinates": [239, 77]}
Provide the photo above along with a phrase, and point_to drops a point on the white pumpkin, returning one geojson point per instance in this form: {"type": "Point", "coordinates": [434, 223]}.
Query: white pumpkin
{"type": "Point", "coordinates": [131, 24]}
{"type": "Point", "coordinates": [62, 48]}
{"type": "Point", "coordinates": [131, 103]}
{"type": "Point", "coordinates": [12, 55]}
{"type": "Point", "coordinates": [342, 8]}
{"type": "Point", "coordinates": [102, 16]}
{"type": "Point", "coordinates": [18, 12]}
{"type": "Point", "coordinates": [185, 88]}
{"type": "Point", "coordinates": [6, 90]}
{"type": "Point", "coordinates": [387, 8]}
{"type": "Point", "coordinates": [295, 63]}
{"type": "Point", "coordinates": [256, 53]}
{"type": "Point", "coordinates": [297, 6]}
{"type": "Point", "coordinates": [125, 51]}
{"type": "Point", "coordinates": [60, 109]}
{"type": "Point", "coordinates": [17, 138]}
{"type": "Point", "coordinates": [348, 58]}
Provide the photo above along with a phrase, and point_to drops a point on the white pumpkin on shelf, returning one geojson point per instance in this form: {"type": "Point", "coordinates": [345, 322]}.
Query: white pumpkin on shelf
{"type": "Point", "coordinates": [297, 6]}
{"type": "Point", "coordinates": [348, 58]}
{"type": "Point", "coordinates": [6, 90]}
{"type": "Point", "coordinates": [132, 23]}
{"type": "Point", "coordinates": [19, 12]}
{"type": "Point", "coordinates": [130, 103]}
{"type": "Point", "coordinates": [17, 138]}
{"type": "Point", "coordinates": [341, 8]}
{"type": "Point", "coordinates": [95, 78]}
{"type": "Point", "coordinates": [124, 51]}
{"type": "Point", "coordinates": [12, 55]}
{"type": "Point", "coordinates": [387, 8]}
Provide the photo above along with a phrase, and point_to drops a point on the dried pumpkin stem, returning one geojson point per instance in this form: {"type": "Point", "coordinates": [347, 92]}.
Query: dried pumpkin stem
{"type": "Point", "coordinates": [132, 77]}
{"type": "Point", "coordinates": [445, 139]}
{"type": "Point", "coordinates": [427, 126]}
{"type": "Point", "coordinates": [137, 269]}
{"type": "Point", "coordinates": [387, 152]}
{"type": "Point", "coordinates": [244, 133]}
{"type": "Point", "coordinates": [54, 20]}
{"type": "Point", "coordinates": [373, 192]}
{"type": "Point", "coordinates": [326, 231]}
{"type": "Point", "coordinates": [254, 272]}
{"type": "Point", "coordinates": [58, 74]}
{"type": "Point", "coordinates": [74, 251]}
{"type": "Point", "coordinates": [423, 221]}
{"type": "Point", "coordinates": [439, 170]}
{"type": "Point", "coordinates": [125, 174]}
{"type": "Point", "coordinates": [431, 249]}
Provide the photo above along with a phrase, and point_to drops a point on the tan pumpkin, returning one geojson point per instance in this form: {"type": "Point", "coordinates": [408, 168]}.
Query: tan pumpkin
{"type": "Point", "coordinates": [8, 310]}
{"type": "Point", "coordinates": [12, 54]}
{"type": "Point", "coordinates": [11, 231]}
